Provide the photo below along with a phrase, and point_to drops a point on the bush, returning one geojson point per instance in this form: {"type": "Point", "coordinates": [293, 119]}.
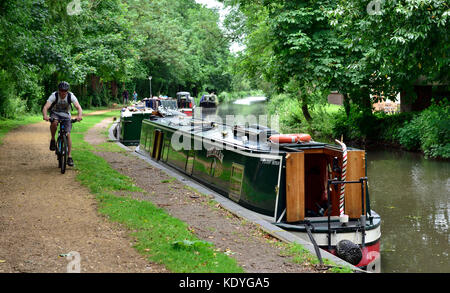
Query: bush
{"type": "Point", "coordinates": [429, 131]}
{"type": "Point", "coordinates": [291, 117]}
{"type": "Point", "coordinates": [364, 127]}
{"type": "Point", "coordinates": [358, 126]}
{"type": "Point", "coordinates": [11, 106]}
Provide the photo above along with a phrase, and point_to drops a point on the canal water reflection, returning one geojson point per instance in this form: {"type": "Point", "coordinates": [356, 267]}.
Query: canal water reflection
{"type": "Point", "coordinates": [411, 194]}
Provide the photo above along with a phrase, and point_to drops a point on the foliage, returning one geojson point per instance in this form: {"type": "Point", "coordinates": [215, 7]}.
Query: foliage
{"type": "Point", "coordinates": [429, 131]}
{"type": "Point", "coordinates": [397, 44]}
{"type": "Point", "coordinates": [184, 48]}
{"type": "Point", "coordinates": [106, 47]}
{"type": "Point", "coordinates": [291, 44]}
{"type": "Point", "coordinates": [235, 95]}
{"type": "Point", "coordinates": [340, 45]}
{"type": "Point", "coordinates": [291, 118]}
{"type": "Point", "coordinates": [362, 128]}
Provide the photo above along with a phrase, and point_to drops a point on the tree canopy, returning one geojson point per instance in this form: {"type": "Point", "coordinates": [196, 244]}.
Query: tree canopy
{"type": "Point", "coordinates": [363, 49]}
{"type": "Point", "coordinates": [101, 46]}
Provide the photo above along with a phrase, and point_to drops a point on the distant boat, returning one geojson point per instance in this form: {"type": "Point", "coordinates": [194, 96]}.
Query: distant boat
{"type": "Point", "coordinates": [289, 178]}
{"type": "Point", "coordinates": [186, 103]}
{"type": "Point", "coordinates": [208, 101]}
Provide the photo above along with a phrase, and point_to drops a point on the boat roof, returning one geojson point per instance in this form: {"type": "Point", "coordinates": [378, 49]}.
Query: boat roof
{"type": "Point", "coordinates": [223, 134]}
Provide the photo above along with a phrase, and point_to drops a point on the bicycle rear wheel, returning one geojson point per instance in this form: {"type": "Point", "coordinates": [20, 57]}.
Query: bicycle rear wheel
{"type": "Point", "coordinates": [64, 153]}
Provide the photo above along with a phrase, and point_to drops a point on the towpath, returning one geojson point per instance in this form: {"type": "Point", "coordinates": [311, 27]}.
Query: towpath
{"type": "Point", "coordinates": [44, 214]}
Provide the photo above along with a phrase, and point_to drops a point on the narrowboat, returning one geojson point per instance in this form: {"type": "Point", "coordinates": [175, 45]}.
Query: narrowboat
{"type": "Point", "coordinates": [186, 103]}
{"type": "Point", "coordinates": [208, 101]}
{"type": "Point", "coordinates": [128, 129]}
{"type": "Point", "coordinates": [316, 190]}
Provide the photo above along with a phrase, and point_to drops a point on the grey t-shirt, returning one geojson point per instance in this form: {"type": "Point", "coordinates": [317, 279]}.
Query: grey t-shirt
{"type": "Point", "coordinates": [62, 107]}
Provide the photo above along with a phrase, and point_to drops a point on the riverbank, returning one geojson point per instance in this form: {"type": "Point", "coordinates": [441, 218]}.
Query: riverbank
{"type": "Point", "coordinates": [216, 228]}
{"type": "Point", "coordinates": [426, 132]}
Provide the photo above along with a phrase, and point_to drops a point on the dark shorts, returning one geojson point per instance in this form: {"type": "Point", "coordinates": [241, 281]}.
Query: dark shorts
{"type": "Point", "coordinates": [65, 118]}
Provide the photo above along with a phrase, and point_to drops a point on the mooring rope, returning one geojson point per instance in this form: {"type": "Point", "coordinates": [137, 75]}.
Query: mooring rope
{"type": "Point", "coordinates": [343, 176]}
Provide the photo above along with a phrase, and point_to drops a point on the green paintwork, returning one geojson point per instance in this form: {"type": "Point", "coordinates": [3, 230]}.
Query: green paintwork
{"type": "Point", "coordinates": [252, 185]}
{"type": "Point", "coordinates": [130, 128]}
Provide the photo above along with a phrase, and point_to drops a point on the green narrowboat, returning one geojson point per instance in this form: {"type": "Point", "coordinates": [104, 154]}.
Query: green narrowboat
{"type": "Point", "coordinates": [130, 124]}
{"type": "Point", "coordinates": [298, 183]}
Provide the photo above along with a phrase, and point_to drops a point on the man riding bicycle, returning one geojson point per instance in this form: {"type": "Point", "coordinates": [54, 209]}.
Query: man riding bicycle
{"type": "Point", "coordinates": [59, 104]}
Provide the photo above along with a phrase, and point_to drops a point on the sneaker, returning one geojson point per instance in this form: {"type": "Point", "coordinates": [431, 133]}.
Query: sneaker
{"type": "Point", "coordinates": [52, 145]}
{"type": "Point", "coordinates": [70, 162]}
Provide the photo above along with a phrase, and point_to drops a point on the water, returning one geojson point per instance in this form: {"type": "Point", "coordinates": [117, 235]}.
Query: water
{"type": "Point", "coordinates": [248, 106]}
{"type": "Point", "coordinates": [411, 194]}
{"type": "Point", "coordinates": [248, 110]}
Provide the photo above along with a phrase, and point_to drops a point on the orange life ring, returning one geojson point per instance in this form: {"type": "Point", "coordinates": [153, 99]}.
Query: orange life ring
{"type": "Point", "coordinates": [290, 138]}
{"type": "Point", "coordinates": [284, 138]}
{"type": "Point", "coordinates": [303, 137]}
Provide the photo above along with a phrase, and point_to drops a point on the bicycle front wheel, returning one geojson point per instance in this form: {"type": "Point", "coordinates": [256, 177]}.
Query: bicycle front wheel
{"type": "Point", "coordinates": [58, 151]}
{"type": "Point", "coordinates": [64, 154]}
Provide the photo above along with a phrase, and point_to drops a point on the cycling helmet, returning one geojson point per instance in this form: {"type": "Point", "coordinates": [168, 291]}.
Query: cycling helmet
{"type": "Point", "coordinates": [64, 86]}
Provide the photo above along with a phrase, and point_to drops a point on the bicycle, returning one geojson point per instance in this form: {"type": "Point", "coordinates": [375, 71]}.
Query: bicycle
{"type": "Point", "coordinates": [62, 146]}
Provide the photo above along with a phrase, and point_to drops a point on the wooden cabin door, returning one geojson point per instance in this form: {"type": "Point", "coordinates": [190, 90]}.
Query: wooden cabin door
{"type": "Point", "coordinates": [295, 186]}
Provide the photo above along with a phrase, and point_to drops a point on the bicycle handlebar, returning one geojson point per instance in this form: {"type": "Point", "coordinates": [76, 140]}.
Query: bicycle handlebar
{"type": "Point", "coordinates": [71, 120]}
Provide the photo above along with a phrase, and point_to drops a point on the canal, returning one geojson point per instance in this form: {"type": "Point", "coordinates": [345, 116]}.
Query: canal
{"type": "Point", "coordinates": [412, 195]}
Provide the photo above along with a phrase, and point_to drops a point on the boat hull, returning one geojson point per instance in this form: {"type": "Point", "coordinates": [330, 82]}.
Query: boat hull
{"type": "Point", "coordinates": [208, 105]}
{"type": "Point", "coordinates": [368, 240]}
{"type": "Point", "coordinates": [130, 128]}
{"type": "Point", "coordinates": [248, 179]}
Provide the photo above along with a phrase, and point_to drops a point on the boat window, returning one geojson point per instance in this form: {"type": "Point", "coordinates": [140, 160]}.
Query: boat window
{"type": "Point", "coordinates": [148, 141]}
{"type": "Point", "coordinates": [157, 144]}
{"type": "Point", "coordinates": [190, 162]}
{"type": "Point", "coordinates": [165, 149]}
{"type": "Point", "coordinates": [143, 138]}
{"type": "Point", "coordinates": [237, 174]}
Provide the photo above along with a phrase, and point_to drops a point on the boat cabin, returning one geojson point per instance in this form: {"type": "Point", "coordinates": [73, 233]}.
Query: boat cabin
{"type": "Point", "coordinates": [208, 101]}
{"type": "Point", "coordinates": [185, 100]}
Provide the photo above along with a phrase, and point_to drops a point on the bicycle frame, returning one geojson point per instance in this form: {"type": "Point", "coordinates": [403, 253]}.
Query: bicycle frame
{"type": "Point", "coordinates": [62, 144]}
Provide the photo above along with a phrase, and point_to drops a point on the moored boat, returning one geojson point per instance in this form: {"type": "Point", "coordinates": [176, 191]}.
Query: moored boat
{"type": "Point", "coordinates": [186, 103]}
{"type": "Point", "coordinates": [128, 129]}
{"type": "Point", "coordinates": [316, 190]}
{"type": "Point", "coordinates": [208, 101]}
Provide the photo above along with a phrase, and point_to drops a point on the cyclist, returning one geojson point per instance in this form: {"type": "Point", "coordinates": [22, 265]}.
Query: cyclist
{"type": "Point", "coordinates": [59, 104]}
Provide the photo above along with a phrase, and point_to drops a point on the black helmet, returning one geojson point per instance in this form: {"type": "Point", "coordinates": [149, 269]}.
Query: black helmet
{"type": "Point", "coordinates": [64, 86]}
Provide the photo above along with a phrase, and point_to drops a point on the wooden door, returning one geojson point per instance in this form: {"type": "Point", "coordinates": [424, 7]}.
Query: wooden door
{"type": "Point", "coordinates": [295, 186]}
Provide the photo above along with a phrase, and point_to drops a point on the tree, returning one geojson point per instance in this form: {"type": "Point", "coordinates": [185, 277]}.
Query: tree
{"type": "Point", "coordinates": [184, 48]}
{"type": "Point", "coordinates": [294, 45]}
{"type": "Point", "coordinates": [341, 45]}
{"type": "Point", "coordinates": [399, 43]}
